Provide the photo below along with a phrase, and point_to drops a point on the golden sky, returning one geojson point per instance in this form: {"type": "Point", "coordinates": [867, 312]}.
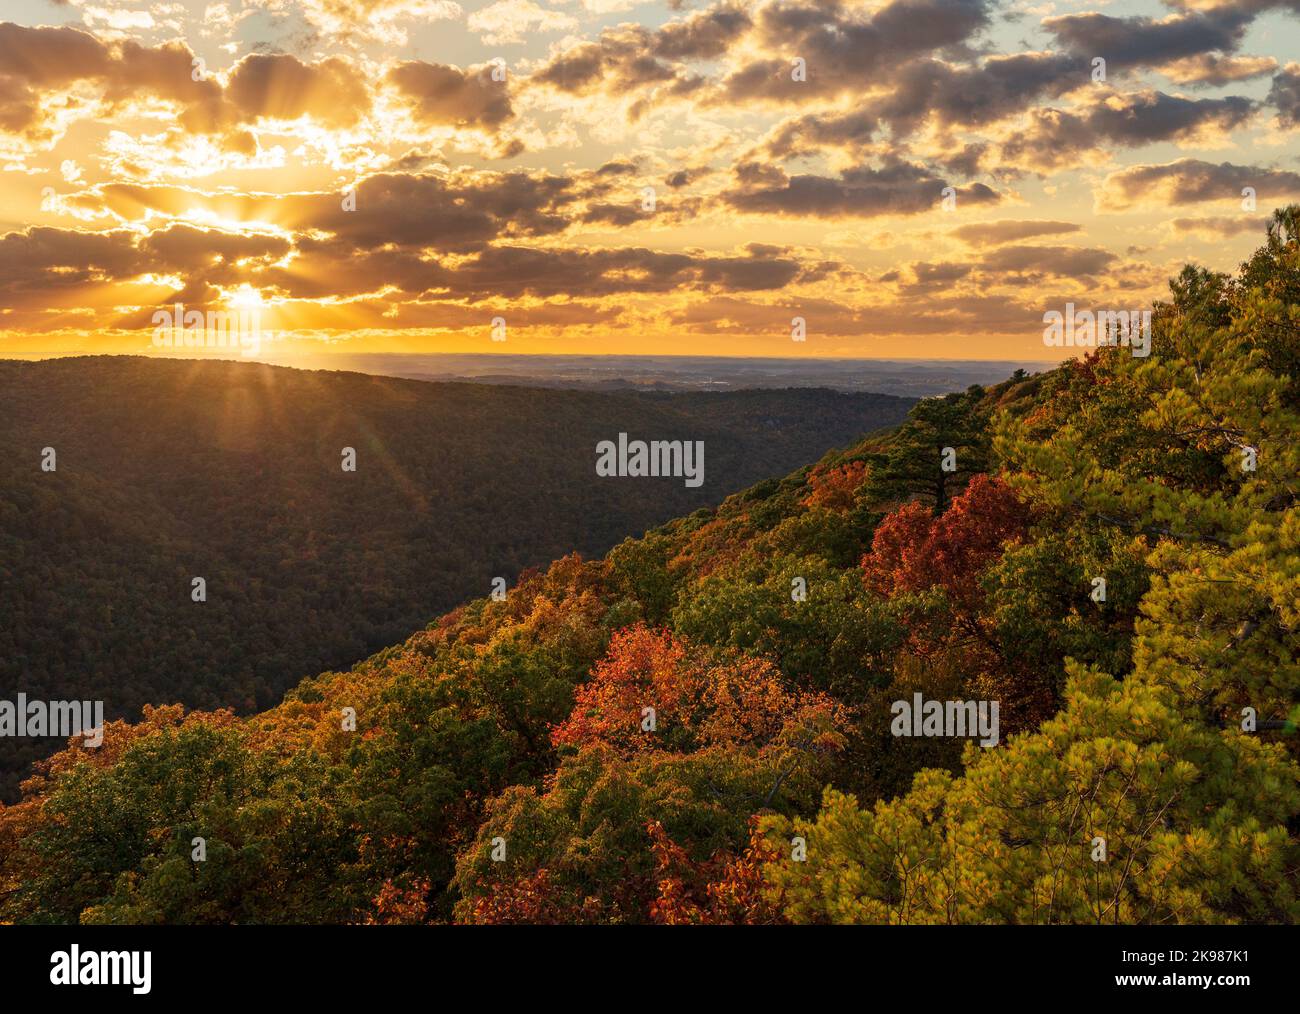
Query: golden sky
{"type": "Point", "coordinates": [915, 178]}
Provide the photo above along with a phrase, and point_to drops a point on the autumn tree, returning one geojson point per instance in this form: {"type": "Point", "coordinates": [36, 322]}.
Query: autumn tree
{"type": "Point", "coordinates": [931, 457]}
{"type": "Point", "coordinates": [1157, 797]}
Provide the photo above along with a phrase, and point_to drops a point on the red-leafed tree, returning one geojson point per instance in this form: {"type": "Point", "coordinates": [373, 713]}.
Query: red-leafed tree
{"type": "Point", "coordinates": [913, 551]}
{"type": "Point", "coordinates": [897, 561]}
{"type": "Point", "coordinates": [727, 890]}
{"type": "Point", "coordinates": [834, 488]}
{"type": "Point", "coordinates": [699, 699]}
{"type": "Point", "coordinates": [533, 899]}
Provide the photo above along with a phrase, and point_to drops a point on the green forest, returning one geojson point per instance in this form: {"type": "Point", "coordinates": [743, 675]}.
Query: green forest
{"type": "Point", "coordinates": [697, 727]}
{"type": "Point", "coordinates": [233, 472]}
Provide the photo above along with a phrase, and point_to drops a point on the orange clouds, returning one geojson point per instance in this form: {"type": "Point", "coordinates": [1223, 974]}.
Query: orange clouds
{"type": "Point", "coordinates": [905, 169]}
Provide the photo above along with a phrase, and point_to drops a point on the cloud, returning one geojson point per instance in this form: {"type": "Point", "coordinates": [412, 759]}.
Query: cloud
{"type": "Point", "coordinates": [935, 275]}
{"type": "Point", "coordinates": [1218, 227]}
{"type": "Point", "coordinates": [1054, 138]}
{"type": "Point", "coordinates": [50, 57]}
{"type": "Point", "coordinates": [282, 87]}
{"type": "Point", "coordinates": [43, 268]}
{"type": "Point", "coordinates": [35, 62]}
{"type": "Point", "coordinates": [1213, 69]}
{"type": "Point", "coordinates": [449, 211]}
{"type": "Point", "coordinates": [1192, 181]}
{"type": "Point", "coordinates": [512, 272]}
{"type": "Point", "coordinates": [806, 134]}
{"type": "Point", "coordinates": [1133, 42]}
{"type": "Point", "coordinates": [899, 189]}
{"type": "Point", "coordinates": [439, 94]}
{"type": "Point", "coordinates": [628, 58]}
{"type": "Point", "coordinates": [845, 46]}
{"type": "Point", "coordinates": [927, 91]}
{"type": "Point", "coordinates": [621, 61]}
{"type": "Point", "coordinates": [509, 22]}
{"type": "Point", "coordinates": [177, 186]}
{"type": "Point", "coordinates": [1008, 231]}
{"type": "Point", "coordinates": [1000, 87]}
{"type": "Point", "coordinates": [1036, 261]}
{"type": "Point", "coordinates": [1285, 95]}
{"type": "Point", "coordinates": [703, 35]}
{"type": "Point", "coordinates": [39, 265]}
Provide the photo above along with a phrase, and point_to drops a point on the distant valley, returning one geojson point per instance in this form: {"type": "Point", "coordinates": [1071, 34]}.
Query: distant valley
{"type": "Point", "coordinates": [912, 378]}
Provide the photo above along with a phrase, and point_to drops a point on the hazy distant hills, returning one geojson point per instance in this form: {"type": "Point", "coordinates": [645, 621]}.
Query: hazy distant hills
{"type": "Point", "coordinates": [169, 470]}
{"type": "Point", "coordinates": [913, 378]}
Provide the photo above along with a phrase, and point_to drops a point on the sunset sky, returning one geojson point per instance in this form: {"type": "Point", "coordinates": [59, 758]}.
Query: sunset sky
{"type": "Point", "coordinates": [134, 179]}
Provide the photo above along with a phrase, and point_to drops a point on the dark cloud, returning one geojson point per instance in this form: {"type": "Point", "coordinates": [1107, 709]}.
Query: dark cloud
{"type": "Point", "coordinates": [1190, 181]}
{"type": "Point", "coordinates": [932, 91]}
{"type": "Point", "coordinates": [685, 177]}
{"type": "Point", "coordinates": [1285, 95]}
{"type": "Point", "coordinates": [50, 57]}
{"type": "Point", "coordinates": [1066, 261]}
{"type": "Point", "coordinates": [188, 249]}
{"type": "Point", "coordinates": [445, 95]}
{"type": "Point", "coordinates": [457, 211]}
{"type": "Point", "coordinates": [806, 134]}
{"type": "Point", "coordinates": [952, 96]}
{"type": "Point", "coordinates": [898, 189]}
{"type": "Point", "coordinates": [621, 215]}
{"type": "Point", "coordinates": [282, 87]}
{"type": "Point", "coordinates": [1221, 225]}
{"type": "Point", "coordinates": [939, 274]}
{"type": "Point", "coordinates": [704, 35]}
{"type": "Point", "coordinates": [168, 73]}
{"type": "Point", "coordinates": [35, 62]}
{"type": "Point", "coordinates": [617, 168]}
{"type": "Point", "coordinates": [512, 272]}
{"type": "Point", "coordinates": [1131, 42]}
{"type": "Point", "coordinates": [622, 60]}
{"type": "Point", "coordinates": [39, 264]}
{"type": "Point", "coordinates": [1054, 138]}
{"type": "Point", "coordinates": [628, 58]}
{"type": "Point", "coordinates": [995, 233]}
{"type": "Point", "coordinates": [966, 160]}
{"type": "Point", "coordinates": [844, 46]}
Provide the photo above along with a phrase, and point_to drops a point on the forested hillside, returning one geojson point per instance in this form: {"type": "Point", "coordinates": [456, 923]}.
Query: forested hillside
{"type": "Point", "coordinates": [233, 472]}
{"type": "Point", "coordinates": [675, 734]}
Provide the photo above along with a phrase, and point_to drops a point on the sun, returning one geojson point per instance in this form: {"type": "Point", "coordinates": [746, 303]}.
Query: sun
{"type": "Point", "coordinates": [245, 298]}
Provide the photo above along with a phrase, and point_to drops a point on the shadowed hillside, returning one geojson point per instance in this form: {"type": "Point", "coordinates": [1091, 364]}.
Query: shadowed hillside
{"type": "Point", "coordinates": [171, 470]}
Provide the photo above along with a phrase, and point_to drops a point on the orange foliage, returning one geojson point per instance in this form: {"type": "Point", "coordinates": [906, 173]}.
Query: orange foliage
{"type": "Point", "coordinates": [711, 548]}
{"type": "Point", "coordinates": [727, 890]}
{"type": "Point", "coordinates": [404, 906]}
{"type": "Point", "coordinates": [698, 701]}
{"type": "Point", "coordinates": [534, 900]}
{"type": "Point", "coordinates": [913, 551]}
{"type": "Point", "coordinates": [834, 488]}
